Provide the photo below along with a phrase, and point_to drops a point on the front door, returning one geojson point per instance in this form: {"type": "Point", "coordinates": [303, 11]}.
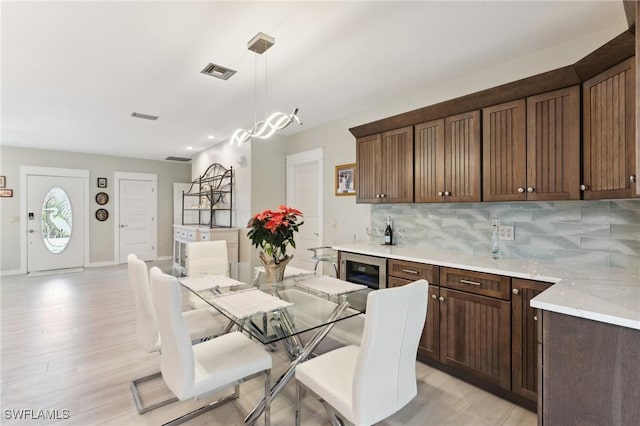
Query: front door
{"type": "Point", "coordinates": [137, 217]}
{"type": "Point", "coordinates": [304, 192]}
{"type": "Point", "coordinates": [55, 222]}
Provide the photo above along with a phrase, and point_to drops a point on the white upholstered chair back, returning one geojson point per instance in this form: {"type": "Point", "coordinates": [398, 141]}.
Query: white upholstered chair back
{"type": "Point", "coordinates": [146, 323]}
{"type": "Point", "coordinates": [176, 359]}
{"type": "Point", "coordinates": [385, 374]}
{"type": "Point", "coordinates": [207, 258]}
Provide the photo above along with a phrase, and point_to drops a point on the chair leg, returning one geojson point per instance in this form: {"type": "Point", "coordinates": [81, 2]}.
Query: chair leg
{"type": "Point", "coordinates": [298, 391]}
{"type": "Point", "coordinates": [267, 398]}
{"type": "Point", "coordinates": [197, 412]}
{"type": "Point", "coordinates": [136, 394]}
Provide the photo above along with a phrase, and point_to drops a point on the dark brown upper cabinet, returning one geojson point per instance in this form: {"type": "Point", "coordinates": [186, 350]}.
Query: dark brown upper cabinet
{"type": "Point", "coordinates": [531, 148]}
{"type": "Point", "coordinates": [609, 138]}
{"type": "Point", "coordinates": [385, 167]}
{"type": "Point", "coordinates": [447, 160]}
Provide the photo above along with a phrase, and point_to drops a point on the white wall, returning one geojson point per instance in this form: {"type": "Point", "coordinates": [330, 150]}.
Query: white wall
{"type": "Point", "coordinates": [101, 233]}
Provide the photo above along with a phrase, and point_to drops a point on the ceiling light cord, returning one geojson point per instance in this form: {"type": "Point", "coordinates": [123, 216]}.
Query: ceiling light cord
{"type": "Point", "coordinates": [272, 123]}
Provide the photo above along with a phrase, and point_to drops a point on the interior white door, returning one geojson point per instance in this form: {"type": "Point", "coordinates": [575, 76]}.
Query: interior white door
{"type": "Point", "coordinates": [55, 215]}
{"type": "Point", "coordinates": [304, 192]}
{"type": "Point", "coordinates": [137, 217]}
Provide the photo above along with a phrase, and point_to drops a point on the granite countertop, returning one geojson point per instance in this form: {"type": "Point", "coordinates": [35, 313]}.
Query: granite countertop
{"type": "Point", "coordinates": [610, 295]}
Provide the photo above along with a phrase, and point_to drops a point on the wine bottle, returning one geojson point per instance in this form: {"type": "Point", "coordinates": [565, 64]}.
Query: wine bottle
{"type": "Point", "coordinates": [388, 233]}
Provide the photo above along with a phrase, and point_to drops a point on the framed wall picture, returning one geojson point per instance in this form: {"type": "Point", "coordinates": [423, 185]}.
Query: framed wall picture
{"type": "Point", "coordinates": [102, 182]}
{"type": "Point", "coordinates": [3, 182]}
{"type": "Point", "coordinates": [346, 179]}
{"type": "Point", "coordinates": [6, 192]}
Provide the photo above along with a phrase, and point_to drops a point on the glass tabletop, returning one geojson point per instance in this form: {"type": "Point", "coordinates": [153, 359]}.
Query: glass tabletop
{"type": "Point", "coordinates": [270, 312]}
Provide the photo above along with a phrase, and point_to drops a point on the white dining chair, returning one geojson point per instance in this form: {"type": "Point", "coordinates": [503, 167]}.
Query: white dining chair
{"type": "Point", "coordinates": [212, 366]}
{"type": "Point", "coordinates": [366, 384]}
{"type": "Point", "coordinates": [201, 323]}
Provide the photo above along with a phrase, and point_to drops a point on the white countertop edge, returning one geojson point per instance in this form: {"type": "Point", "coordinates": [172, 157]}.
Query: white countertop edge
{"type": "Point", "coordinates": [596, 316]}
{"type": "Point", "coordinates": [503, 269]}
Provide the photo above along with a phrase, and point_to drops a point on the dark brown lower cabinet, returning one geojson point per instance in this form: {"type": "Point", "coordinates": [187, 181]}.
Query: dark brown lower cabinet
{"type": "Point", "coordinates": [524, 348]}
{"type": "Point", "coordinates": [475, 336]}
{"type": "Point", "coordinates": [590, 372]}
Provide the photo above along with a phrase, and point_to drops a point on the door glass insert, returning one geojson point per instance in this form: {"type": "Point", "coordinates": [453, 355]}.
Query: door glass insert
{"type": "Point", "coordinates": [57, 220]}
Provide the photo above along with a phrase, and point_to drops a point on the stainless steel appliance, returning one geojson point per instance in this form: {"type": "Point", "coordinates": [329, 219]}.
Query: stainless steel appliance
{"type": "Point", "coordinates": [362, 269]}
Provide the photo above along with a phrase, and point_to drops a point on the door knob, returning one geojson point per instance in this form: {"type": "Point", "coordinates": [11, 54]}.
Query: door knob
{"type": "Point", "coordinates": [530, 189]}
{"type": "Point", "coordinates": [521, 190]}
{"type": "Point", "coordinates": [632, 178]}
{"type": "Point", "coordinates": [377, 195]}
{"type": "Point", "coordinates": [515, 291]}
{"type": "Point", "coordinates": [433, 296]}
{"type": "Point", "coordinates": [584, 187]}
{"type": "Point", "coordinates": [440, 193]}
{"type": "Point", "coordinates": [31, 231]}
{"type": "Point", "coordinates": [441, 299]}
{"type": "Point", "coordinates": [447, 193]}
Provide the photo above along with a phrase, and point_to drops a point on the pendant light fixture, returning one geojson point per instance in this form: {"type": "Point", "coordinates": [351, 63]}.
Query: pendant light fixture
{"type": "Point", "coordinates": [263, 129]}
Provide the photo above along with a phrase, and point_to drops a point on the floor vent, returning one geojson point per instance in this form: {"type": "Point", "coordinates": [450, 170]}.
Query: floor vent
{"type": "Point", "coordinates": [218, 71]}
{"type": "Point", "coordinates": [182, 159]}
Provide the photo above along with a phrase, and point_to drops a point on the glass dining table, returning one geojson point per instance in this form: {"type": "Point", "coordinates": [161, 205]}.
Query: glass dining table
{"type": "Point", "coordinates": [298, 312]}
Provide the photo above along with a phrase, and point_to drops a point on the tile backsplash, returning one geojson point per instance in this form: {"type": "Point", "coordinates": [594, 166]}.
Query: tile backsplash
{"type": "Point", "coordinates": [605, 233]}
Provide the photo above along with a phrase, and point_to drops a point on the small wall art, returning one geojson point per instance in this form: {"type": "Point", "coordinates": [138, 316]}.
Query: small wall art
{"type": "Point", "coordinates": [6, 192]}
{"type": "Point", "coordinates": [3, 182]}
{"type": "Point", "coordinates": [102, 182]}
{"type": "Point", "coordinates": [346, 179]}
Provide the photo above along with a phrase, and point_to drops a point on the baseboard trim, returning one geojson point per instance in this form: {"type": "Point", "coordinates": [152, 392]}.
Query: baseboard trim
{"type": "Point", "coordinates": [99, 264]}
{"type": "Point", "coordinates": [12, 272]}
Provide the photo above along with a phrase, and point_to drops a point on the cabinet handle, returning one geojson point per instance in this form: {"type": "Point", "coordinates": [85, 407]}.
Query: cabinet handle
{"type": "Point", "coordinates": [382, 195]}
{"type": "Point", "coordinates": [447, 193]}
{"type": "Point", "coordinates": [441, 299]}
{"type": "Point", "coordinates": [521, 190]}
{"type": "Point", "coordinates": [440, 193]}
{"type": "Point", "coordinates": [535, 318]}
{"type": "Point", "coordinates": [515, 291]}
{"type": "Point", "coordinates": [584, 187]}
{"type": "Point", "coordinates": [530, 189]}
{"type": "Point", "coordinates": [409, 271]}
{"type": "Point", "coordinates": [632, 178]}
{"type": "Point", "coordinates": [433, 296]}
{"type": "Point", "coordinates": [470, 282]}
{"type": "Point", "coordinates": [377, 195]}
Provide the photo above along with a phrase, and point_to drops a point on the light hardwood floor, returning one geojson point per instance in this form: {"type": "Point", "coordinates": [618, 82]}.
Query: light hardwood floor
{"type": "Point", "coordinates": [68, 343]}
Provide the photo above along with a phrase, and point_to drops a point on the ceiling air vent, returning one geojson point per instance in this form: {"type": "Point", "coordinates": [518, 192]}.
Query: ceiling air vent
{"type": "Point", "coordinates": [144, 116]}
{"type": "Point", "coordinates": [183, 159]}
{"type": "Point", "coordinates": [218, 71]}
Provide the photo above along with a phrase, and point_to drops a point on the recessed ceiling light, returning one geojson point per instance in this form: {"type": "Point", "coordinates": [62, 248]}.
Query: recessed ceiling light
{"type": "Point", "coordinates": [189, 148]}
{"type": "Point", "coordinates": [210, 137]}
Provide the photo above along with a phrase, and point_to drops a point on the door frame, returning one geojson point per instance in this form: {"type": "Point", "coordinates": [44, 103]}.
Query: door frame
{"type": "Point", "coordinates": [117, 177]}
{"type": "Point", "coordinates": [308, 157]}
{"type": "Point", "coordinates": [24, 223]}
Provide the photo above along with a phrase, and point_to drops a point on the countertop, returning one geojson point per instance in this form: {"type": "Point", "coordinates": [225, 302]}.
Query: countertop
{"type": "Point", "coordinates": [609, 295]}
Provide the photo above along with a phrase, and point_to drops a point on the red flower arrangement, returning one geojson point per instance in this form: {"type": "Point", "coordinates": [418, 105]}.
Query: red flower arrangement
{"type": "Point", "coordinates": [272, 231]}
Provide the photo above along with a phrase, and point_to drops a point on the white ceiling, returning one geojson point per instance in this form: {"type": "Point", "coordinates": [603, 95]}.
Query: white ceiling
{"type": "Point", "coordinates": [72, 73]}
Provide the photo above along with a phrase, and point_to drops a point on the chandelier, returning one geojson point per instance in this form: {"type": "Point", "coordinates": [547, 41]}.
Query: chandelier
{"type": "Point", "coordinates": [263, 129]}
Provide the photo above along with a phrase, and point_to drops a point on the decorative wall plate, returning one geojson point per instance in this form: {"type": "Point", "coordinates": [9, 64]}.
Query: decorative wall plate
{"type": "Point", "coordinates": [102, 198]}
{"type": "Point", "coordinates": [102, 215]}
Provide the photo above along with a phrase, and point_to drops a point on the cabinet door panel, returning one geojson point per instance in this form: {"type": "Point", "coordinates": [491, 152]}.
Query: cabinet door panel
{"type": "Point", "coordinates": [475, 336]}
{"type": "Point", "coordinates": [553, 145]}
{"type": "Point", "coordinates": [504, 151]}
{"type": "Point", "coordinates": [524, 356]}
{"type": "Point", "coordinates": [396, 171]}
{"type": "Point", "coordinates": [462, 157]}
{"type": "Point", "coordinates": [609, 133]}
{"type": "Point", "coordinates": [368, 151]}
{"type": "Point", "coordinates": [429, 161]}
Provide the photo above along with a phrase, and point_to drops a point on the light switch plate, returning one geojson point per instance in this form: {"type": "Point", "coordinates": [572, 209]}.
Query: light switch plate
{"type": "Point", "coordinates": [506, 232]}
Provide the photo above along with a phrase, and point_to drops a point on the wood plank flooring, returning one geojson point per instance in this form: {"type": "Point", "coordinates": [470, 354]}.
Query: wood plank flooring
{"type": "Point", "coordinates": [68, 343]}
